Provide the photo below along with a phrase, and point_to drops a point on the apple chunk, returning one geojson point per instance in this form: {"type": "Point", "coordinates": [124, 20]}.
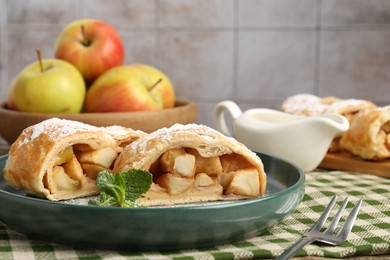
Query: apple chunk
{"type": "Point", "coordinates": [209, 165]}
{"type": "Point", "coordinates": [233, 162]}
{"type": "Point", "coordinates": [225, 179]}
{"type": "Point", "coordinates": [179, 162]}
{"type": "Point", "coordinates": [184, 165]}
{"type": "Point", "coordinates": [245, 182]}
{"type": "Point", "coordinates": [203, 180]}
{"type": "Point", "coordinates": [168, 159]}
{"type": "Point", "coordinates": [174, 184]}
{"type": "Point", "coordinates": [58, 180]}
{"type": "Point", "coordinates": [73, 168]}
{"type": "Point", "coordinates": [64, 156]}
{"type": "Point", "coordinates": [92, 170]}
{"type": "Point", "coordinates": [103, 157]}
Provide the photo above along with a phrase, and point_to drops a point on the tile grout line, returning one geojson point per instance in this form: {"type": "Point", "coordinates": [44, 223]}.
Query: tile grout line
{"type": "Point", "coordinates": [157, 30]}
{"type": "Point", "coordinates": [4, 48]}
{"type": "Point", "coordinates": [317, 49]}
{"type": "Point", "coordinates": [235, 50]}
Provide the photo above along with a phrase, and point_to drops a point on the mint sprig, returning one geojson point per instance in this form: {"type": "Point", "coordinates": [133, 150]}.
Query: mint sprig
{"type": "Point", "coordinates": [122, 189]}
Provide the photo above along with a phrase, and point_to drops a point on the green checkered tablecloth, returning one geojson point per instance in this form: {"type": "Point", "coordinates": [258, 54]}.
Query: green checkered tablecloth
{"type": "Point", "coordinates": [370, 235]}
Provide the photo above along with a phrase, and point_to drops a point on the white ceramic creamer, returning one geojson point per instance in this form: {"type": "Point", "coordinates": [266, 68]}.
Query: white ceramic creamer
{"type": "Point", "coordinates": [301, 140]}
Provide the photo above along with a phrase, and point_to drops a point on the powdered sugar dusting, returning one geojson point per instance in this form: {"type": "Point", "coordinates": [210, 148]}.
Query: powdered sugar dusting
{"type": "Point", "coordinates": [308, 104]}
{"type": "Point", "coordinates": [303, 104]}
{"type": "Point", "coordinates": [119, 130]}
{"type": "Point", "coordinates": [55, 129]}
{"type": "Point", "coordinates": [302, 98]}
{"type": "Point", "coordinates": [342, 104]}
{"type": "Point", "coordinates": [83, 201]}
{"type": "Point", "coordinates": [165, 134]}
{"type": "Point", "coordinates": [168, 133]}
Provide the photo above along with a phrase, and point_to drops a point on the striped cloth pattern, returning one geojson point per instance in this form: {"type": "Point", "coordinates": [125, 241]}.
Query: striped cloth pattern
{"type": "Point", "coordinates": [370, 235]}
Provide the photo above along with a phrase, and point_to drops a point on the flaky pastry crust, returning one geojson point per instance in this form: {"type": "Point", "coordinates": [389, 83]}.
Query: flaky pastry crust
{"type": "Point", "coordinates": [145, 153]}
{"type": "Point", "coordinates": [41, 147]}
{"type": "Point", "coordinates": [369, 134]}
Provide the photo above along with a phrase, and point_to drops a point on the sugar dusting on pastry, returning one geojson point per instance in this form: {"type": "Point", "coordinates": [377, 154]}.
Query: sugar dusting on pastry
{"type": "Point", "coordinates": [169, 133]}
{"type": "Point", "coordinates": [210, 136]}
{"type": "Point", "coordinates": [308, 104]}
{"type": "Point", "coordinates": [56, 128]}
{"type": "Point", "coordinates": [348, 105]}
{"type": "Point", "coordinates": [119, 130]}
{"type": "Point", "coordinates": [303, 104]}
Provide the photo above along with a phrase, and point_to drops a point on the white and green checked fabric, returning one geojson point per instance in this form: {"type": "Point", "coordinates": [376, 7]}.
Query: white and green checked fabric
{"type": "Point", "coordinates": [370, 235]}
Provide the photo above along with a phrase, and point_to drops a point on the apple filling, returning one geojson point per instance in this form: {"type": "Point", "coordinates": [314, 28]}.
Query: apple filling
{"type": "Point", "coordinates": [384, 133]}
{"type": "Point", "coordinates": [184, 171]}
{"type": "Point", "coordinates": [77, 165]}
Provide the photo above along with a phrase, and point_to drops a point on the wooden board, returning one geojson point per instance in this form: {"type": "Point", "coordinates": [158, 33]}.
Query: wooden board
{"type": "Point", "coordinates": [348, 162]}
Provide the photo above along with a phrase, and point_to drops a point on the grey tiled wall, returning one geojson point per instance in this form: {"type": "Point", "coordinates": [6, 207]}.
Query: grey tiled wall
{"type": "Point", "coordinates": [255, 52]}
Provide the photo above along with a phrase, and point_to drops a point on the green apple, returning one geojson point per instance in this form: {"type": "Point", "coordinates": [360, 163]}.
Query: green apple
{"type": "Point", "coordinates": [47, 86]}
{"type": "Point", "coordinates": [136, 87]}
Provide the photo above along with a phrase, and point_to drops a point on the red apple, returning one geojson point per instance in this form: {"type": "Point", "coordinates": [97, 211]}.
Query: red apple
{"type": "Point", "coordinates": [135, 87]}
{"type": "Point", "coordinates": [92, 46]}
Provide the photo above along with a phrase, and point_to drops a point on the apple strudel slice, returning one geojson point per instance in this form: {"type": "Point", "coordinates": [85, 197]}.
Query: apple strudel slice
{"type": "Point", "coordinates": [193, 163]}
{"type": "Point", "coordinates": [369, 134]}
{"type": "Point", "coordinates": [347, 108]}
{"type": "Point", "coordinates": [59, 159]}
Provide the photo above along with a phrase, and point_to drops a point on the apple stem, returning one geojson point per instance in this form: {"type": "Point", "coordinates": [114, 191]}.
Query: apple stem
{"type": "Point", "coordinates": [40, 59]}
{"type": "Point", "coordinates": [84, 40]}
{"type": "Point", "coordinates": [155, 84]}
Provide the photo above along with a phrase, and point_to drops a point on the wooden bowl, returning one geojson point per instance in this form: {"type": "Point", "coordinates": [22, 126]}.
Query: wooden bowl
{"type": "Point", "coordinates": [13, 122]}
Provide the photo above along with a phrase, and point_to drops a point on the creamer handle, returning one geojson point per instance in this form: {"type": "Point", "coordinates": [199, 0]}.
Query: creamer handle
{"type": "Point", "coordinates": [219, 110]}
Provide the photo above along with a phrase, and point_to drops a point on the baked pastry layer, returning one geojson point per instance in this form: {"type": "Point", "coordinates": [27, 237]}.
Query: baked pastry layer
{"type": "Point", "coordinates": [193, 163]}
{"type": "Point", "coordinates": [309, 105]}
{"type": "Point", "coordinates": [59, 159]}
{"type": "Point", "coordinates": [369, 134]}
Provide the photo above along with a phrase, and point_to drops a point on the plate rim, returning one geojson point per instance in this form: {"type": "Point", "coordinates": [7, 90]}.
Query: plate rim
{"type": "Point", "coordinates": [285, 198]}
{"type": "Point", "coordinates": [236, 203]}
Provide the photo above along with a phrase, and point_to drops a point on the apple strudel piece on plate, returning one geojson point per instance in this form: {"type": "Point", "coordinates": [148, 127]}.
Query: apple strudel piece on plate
{"type": "Point", "coordinates": [59, 159]}
{"type": "Point", "coordinates": [369, 134]}
{"type": "Point", "coordinates": [193, 163]}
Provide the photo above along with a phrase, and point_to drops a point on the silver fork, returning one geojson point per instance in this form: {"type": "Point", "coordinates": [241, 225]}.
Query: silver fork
{"type": "Point", "coordinates": [328, 235]}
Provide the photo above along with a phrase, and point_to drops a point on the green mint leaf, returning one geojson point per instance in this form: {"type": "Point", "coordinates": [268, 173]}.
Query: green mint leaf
{"type": "Point", "coordinates": [112, 187]}
{"type": "Point", "coordinates": [122, 189]}
{"type": "Point", "coordinates": [137, 183]}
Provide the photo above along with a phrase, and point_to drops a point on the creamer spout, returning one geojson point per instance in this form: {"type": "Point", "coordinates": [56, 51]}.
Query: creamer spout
{"type": "Point", "coordinates": [335, 123]}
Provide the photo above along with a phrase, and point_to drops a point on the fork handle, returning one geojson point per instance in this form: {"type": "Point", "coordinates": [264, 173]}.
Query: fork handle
{"type": "Point", "coordinates": [295, 248]}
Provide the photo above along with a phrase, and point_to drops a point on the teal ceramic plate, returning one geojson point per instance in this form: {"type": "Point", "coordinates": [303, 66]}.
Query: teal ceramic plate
{"type": "Point", "coordinates": [158, 228]}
